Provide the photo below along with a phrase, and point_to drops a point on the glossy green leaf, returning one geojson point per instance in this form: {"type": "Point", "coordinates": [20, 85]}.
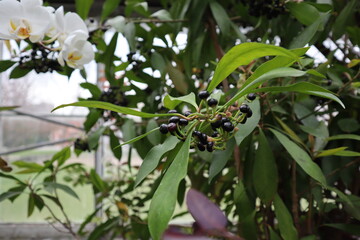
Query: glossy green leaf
{"type": "Point", "coordinates": [221, 17]}
{"type": "Point", "coordinates": [109, 6]}
{"type": "Point", "coordinates": [346, 153]}
{"type": "Point", "coordinates": [301, 158]}
{"type": "Point", "coordinates": [163, 202]}
{"type": "Point", "coordinates": [265, 175]}
{"type": "Point", "coordinates": [83, 7]}
{"type": "Point", "coordinates": [19, 72]}
{"type": "Point", "coordinates": [51, 186]}
{"type": "Point", "coordinates": [153, 158]}
{"type": "Point", "coordinates": [155, 137]}
{"type": "Point", "coordinates": [112, 107]}
{"type": "Point", "coordinates": [220, 158]}
{"type": "Point", "coordinates": [94, 137]}
{"type": "Point", "coordinates": [5, 65]}
{"type": "Point", "coordinates": [303, 12]}
{"type": "Point", "coordinates": [329, 152]}
{"type": "Point", "coordinates": [93, 89]}
{"type": "Point", "coordinates": [251, 123]}
{"type": "Point", "coordinates": [343, 18]}
{"type": "Point", "coordinates": [243, 54]}
{"type": "Point", "coordinates": [114, 144]}
{"type": "Point", "coordinates": [30, 167]}
{"type": "Point", "coordinates": [171, 102]}
{"type": "Point", "coordinates": [304, 87]}
{"type": "Point", "coordinates": [139, 137]}
{"type": "Point", "coordinates": [92, 118]}
{"type": "Point", "coordinates": [31, 205]}
{"type": "Point", "coordinates": [289, 131]}
{"type": "Point", "coordinates": [275, 73]}
{"type": "Point", "coordinates": [285, 222]}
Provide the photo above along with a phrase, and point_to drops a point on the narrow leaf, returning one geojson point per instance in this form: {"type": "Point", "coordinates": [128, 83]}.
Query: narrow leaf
{"type": "Point", "coordinates": [171, 102]}
{"type": "Point", "coordinates": [343, 18]}
{"type": "Point", "coordinates": [31, 205]}
{"type": "Point", "coordinates": [19, 72]}
{"type": "Point", "coordinates": [83, 7]}
{"type": "Point", "coordinates": [108, 7]}
{"type": "Point", "coordinates": [53, 186]}
{"type": "Point", "coordinates": [329, 152]}
{"type": "Point", "coordinates": [139, 137]}
{"type": "Point", "coordinates": [5, 65]}
{"type": "Point", "coordinates": [286, 225]}
{"type": "Point", "coordinates": [6, 108]}
{"type": "Point", "coordinates": [304, 12]}
{"type": "Point", "coordinates": [243, 54]}
{"type": "Point", "coordinates": [153, 158]}
{"type": "Point", "coordinates": [301, 157]}
{"type": "Point", "coordinates": [345, 136]}
{"type": "Point", "coordinates": [220, 158]}
{"type": "Point", "coordinates": [93, 89]}
{"type": "Point", "coordinates": [163, 202]}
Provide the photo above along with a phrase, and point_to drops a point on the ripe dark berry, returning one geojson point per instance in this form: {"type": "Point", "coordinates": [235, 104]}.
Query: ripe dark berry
{"type": "Point", "coordinates": [329, 82]}
{"type": "Point", "coordinates": [210, 146]}
{"type": "Point", "coordinates": [201, 147]}
{"type": "Point", "coordinates": [244, 120]}
{"type": "Point", "coordinates": [183, 122]}
{"type": "Point", "coordinates": [172, 127]}
{"type": "Point", "coordinates": [244, 108]}
{"type": "Point", "coordinates": [187, 113]}
{"type": "Point", "coordinates": [164, 128]}
{"type": "Point", "coordinates": [215, 134]}
{"type": "Point", "coordinates": [251, 96]}
{"type": "Point", "coordinates": [203, 94]}
{"type": "Point", "coordinates": [212, 102]}
{"type": "Point", "coordinates": [172, 111]}
{"type": "Point", "coordinates": [224, 120]}
{"type": "Point", "coordinates": [174, 119]}
{"type": "Point", "coordinates": [203, 138]}
{"type": "Point", "coordinates": [215, 125]}
{"type": "Point", "coordinates": [196, 133]}
{"type": "Point", "coordinates": [249, 113]}
{"type": "Point", "coordinates": [228, 126]}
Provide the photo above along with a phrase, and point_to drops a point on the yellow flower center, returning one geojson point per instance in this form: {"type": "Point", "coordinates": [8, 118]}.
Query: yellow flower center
{"type": "Point", "coordinates": [22, 29]}
{"type": "Point", "coordinates": [72, 58]}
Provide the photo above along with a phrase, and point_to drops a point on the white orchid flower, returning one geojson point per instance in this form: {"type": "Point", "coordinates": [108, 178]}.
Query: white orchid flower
{"type": "Point", "coordinates": [76, 51]}
{"type": "Point", "coordinates": [27, 19]}
{"type": "Point", "coordinates": [68, 24]}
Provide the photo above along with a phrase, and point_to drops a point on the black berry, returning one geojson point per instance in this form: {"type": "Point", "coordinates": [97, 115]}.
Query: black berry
{"type": "Point", "coordinates": [215, 125]}
{"type": "Point", "coordinates": [244, 108]}
{"type": "Point", "coordinates": [201, 147]}
{"type": "Point", "coordinates": [172, 111]}
{"type": "Point", "coordinates": [212, 102]}
{"type": "Point", "coordinates": [174, 119]}
{"type": "Point", "coordinates": [228, 126]}
{"type": "Point", "coordinates": [183, 122]}
{"type": "Point", "coordinates": [244, 120]}
{"type": "Point", "coordinates": [171, 127]}
{"type": "Point", "coordinates": [224, 120]}
{"type": "Point", "coordinates": [215, 134]}
{"type": "Point", "coordinates": [203, 94]}
{"type": "Point", "coordinates": [196, 133]}
{"type": "Point", "coordinates": [164, 128]}
{"type": "Point", "coordinates": [210, 146]}
{"type": "Point", "coordinates": [203, 138]}
{"type": "Point", "coordinates": [187, 113]}
{"type": "Point", "coordinates": [251, 96]}
{"type": "Point", "coordinates": [329, 82]}
{"type": "Point", "coordinates": [249, 113]}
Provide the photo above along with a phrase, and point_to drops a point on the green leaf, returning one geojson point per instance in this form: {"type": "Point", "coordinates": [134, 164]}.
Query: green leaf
{"type": "Point", "coordinates": [9, 194]}
{"type": "Point", "coordinates": [94, 90]}
{"type": "Point", "coordinates": [92, 118]}
{"type": "Point", "coordinates": [171, 102]}
{"type": "Point", "coordinates": [243, 54]}
{"type": "Point", "coordinates": [114, 144]}
{"type": "Point", "coordinates": [108, 7]}
{"type": "Point", "coordinates": [275, 73]}
{"type": "Point", "coordinates": [343, 19]}
{"type": "Point", "coordinates": [5, 65]}
{"type": "Point", "coordinates": [305, 36]}
{"type": "Point", "coordinates": [103, 228]}
{"type": "Point", "coordinates": [31, 167]}
{"type": "Point", "coordinates": [19, 72]}
{"type": "Point", "coordinates": [265, 175]}
{"type": "Point", "coordinates": [6, 108]}
{"type": "Point", "coordinates": [178, 78]}
{"type": "Point", "coordinates": [301, 158]}
{"type": "Point", "coordinates": [304, 87]}
{"type": "Point", "coordinates": [289, 131]}
{"type": "Point", "coordinates": [251, 123]}
{"type": "Point", "coordinates": [153, 158]}
{"type": "Point", "coordinates": [31, 205]}
{"type": "Point", "coordinates": [221, 17]}
{"type": "Point", "coordinates": [329, 152]}
{"type": "Point", "coordinates": [346, 153]}
{"type": "Point", "coordinates": [139, 137]}
{"type": "Point", "coordinates": [163, 202]}
{"type": "Point", "coordinates": [61, 156]}
{"type": "Point", "coordinates": [52, 186]}
{"type": "Point", "coordinates": [285, 222]}
{"type": "Point", "coordinates": [94, 137]}
{"type": "Point", "coordinates": [352, 229]}
{"type": "Point", "coordinates": [12, 178]}
{"type": "Point", "coordinates": [113, 107]}
{"type": "Point", "coordinates": [108, 59]}
{"type": "Point", "coordinates": [83, 7]}
{"type": "Point", "coordinates": [304, 12]}
{"type": "Point", "coordinates": [154, 138]}
{"type": "Point", "coordinates": [220, 158]}
{"type": "Point", "coordinates": [97, 181]}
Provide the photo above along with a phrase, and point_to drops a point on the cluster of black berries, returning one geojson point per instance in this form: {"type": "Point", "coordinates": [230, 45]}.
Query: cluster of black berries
{"type": "Point", "coordinates": [81, 144]}
{"type": "Point", "coordinates": [269, 8]}
{"type": "Point", "coordinates": [40, 60]}
{"type": "Point", "coordinates": [212, 125]}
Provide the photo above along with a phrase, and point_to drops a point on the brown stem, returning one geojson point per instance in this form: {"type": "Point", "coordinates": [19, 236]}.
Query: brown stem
{"type": "Point", "coordinates": [294, 196]}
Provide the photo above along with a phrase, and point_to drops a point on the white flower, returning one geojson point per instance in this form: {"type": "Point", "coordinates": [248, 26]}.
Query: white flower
{"type": "Point", "coordinates": [68, 24]}
{"type": "Point", "coordinates": [76, 51]}
{"type": "Point", "coordinates": [22, 20]}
